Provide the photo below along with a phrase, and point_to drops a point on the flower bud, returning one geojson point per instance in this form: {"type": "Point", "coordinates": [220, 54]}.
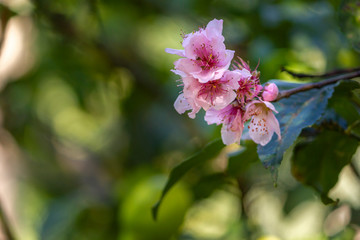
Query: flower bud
{"type": "Point", "coordinates": [270, 92]}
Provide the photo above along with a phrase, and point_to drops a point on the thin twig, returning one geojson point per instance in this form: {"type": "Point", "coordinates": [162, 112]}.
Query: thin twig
{"type": "Point", "coordinates": [328, 74]}
{"type": "Point", "coordinates": [305, 87]}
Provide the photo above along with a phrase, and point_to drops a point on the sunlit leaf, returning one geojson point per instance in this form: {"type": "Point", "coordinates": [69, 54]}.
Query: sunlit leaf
{"type": "Point", "coordinates": [208, 152]}
{"type": "Point", "coordinates": [318, 163]}
{"type": "Point", "coordinates": [296, 112]}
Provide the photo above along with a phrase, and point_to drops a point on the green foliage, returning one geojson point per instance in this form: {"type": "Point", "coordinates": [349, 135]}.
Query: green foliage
{"type": "Point", "coordinates": [241, 160]}
{"type": "Point", "coordinates": [208, 152]}
{"type": "Point", "coordinates": [343, 101]}
{"type": "Point", "coordinates": [135, 214]}
{"type": "Point", "coordinates": [296, 112]}
{"type": "Point", "coordinates": [349, 21]}
{"type": "Point", "coordinates": [96, 106]}
{"type": "Point", "coordinates": [318, 162]}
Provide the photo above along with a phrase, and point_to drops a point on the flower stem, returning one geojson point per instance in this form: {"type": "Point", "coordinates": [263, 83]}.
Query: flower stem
{"type": "Point", "coordinates": [328, 81]}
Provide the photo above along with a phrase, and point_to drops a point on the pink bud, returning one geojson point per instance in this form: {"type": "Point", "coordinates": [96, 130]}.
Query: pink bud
{"type": "Point", "coordinates": [270, 92]}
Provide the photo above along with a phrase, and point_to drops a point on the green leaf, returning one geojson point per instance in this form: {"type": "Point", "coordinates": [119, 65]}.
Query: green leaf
{"type": "Point", "coordinates": [342, 101]}
{"type": "Point", "coordinates": [208, 184]}
{"type": "Point", "coordinates": [317, 163]}
{"type": "Point", "coordinates": [241, 160]}
{"type": "Point", "coordinates": [208, 152]}
{"type": "Point", "coordinates": [349, 21]}
{"type": "Point", "coordinates": [296, 112]}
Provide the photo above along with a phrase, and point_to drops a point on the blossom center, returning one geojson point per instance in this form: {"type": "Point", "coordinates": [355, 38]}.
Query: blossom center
{"type": "Point", "coordinates": [206, 58]}
{"type": "Point", "coordinates": [210, 90]}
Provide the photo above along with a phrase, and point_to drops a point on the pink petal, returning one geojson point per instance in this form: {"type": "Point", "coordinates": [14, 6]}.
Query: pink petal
{"type": "Point", "coordinates": [212, 116]}
{"type": "Point", "coordinates": [181, 104]}
{"type": "Point", "coordinates": [178, 72]}
{"type": "Point", "coordinates": [232, 79]}
{"type": "Point", "coordinates": [181, 53]}
{"type": "Point", "coordinates": [195, 42]}
{"type": "Point", "coordinates": [222, 101]}
{"type": "Point", "coordinates": [226, 61]}
{"type": "Point", "coordinates": [274, 124]}
{"type": "Point", "coordinates": [269, 105]}
{"type": "Point", "coordinates": [214, 29]}
{"type": "Point", "coordinates": [187, 66]}
{"type": "Point", "coordinates": [245, 73]}
{"type": "Point", "coordinates": [259, 130]}
{"type": "Point", "coordinates": [228, 136]}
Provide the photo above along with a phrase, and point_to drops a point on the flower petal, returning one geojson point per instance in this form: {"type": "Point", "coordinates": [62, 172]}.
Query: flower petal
{"type": "Point", "coordinates": [259, 130]}
{"type": "Point", "coordinates": [214, 29]}
{"type": "Point", "coordinates": [181, 104]}
{"type": "Point", "coordinates": [212, 116]}
{"type": "Point", "coordinates": [228, 136]}
{"type": "Point", "coordinates": [181, 53]}
{"type": "Point", "coordinates": [187, 66]}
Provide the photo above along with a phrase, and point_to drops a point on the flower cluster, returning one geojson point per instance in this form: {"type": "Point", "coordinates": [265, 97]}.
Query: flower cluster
{"type": "Point", "coordinates": [229, 97]}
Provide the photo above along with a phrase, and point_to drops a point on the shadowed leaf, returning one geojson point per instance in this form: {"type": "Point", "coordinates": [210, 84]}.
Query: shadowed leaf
{"type": "Point", "coordinates": [208, 152]}
{"type": "Point", "coordinates": [241, 160]}
{"type": "Point", "coordinates": [318, 163]}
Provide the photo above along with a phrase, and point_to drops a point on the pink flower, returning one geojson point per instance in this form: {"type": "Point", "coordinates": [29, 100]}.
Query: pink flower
{"type": "Point", "coordinates": [249, 88]}
{"type": "Point", "coordinates": [263, 123]}
{"type": "Point", "coordinates": [232, 119]}
{"type": "Point", "coordinates": [270, 92]}
{"type": "Point", "coordinates": [216, 93]}
{"type": "Point", "coordinates": [249, 83]}
{"type": "Point", "coordinates": [205, 55]}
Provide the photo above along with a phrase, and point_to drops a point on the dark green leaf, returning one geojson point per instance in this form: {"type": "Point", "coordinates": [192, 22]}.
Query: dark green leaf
{"type": "Point", "coordinates": [241, 160]}
{"type": "Point", "coordinates": [318, 163]}
{"type": "Point", "coordinates": [342, 101]}
{"type": "Point", "coordinates": [208, 184]}
{"type": "Point", "coordinates": [208, 152]}
{"type": "Point", "coordinates": [299, 111]}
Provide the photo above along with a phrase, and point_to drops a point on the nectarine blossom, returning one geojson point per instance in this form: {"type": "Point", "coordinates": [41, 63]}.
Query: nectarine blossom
{"type": "Point", "coordinates": [263, 123]}
{"type": "Point", "coordinates": [232, 118]}
{"type": "Point", "coordinates": [205, 55]}
{"type": "Point", "coordinates": [230, 98]}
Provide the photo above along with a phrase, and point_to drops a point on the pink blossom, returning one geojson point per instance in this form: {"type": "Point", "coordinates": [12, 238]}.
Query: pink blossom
{"type": "Point", "coordinates": [263, 123]}
{"type": "Point", "coordinates": [249, 82]}
{"type": "Point", "coordinates": [216, 93]}
{"type": "Point", "coordinates": [270, 92]}
{"type": "Point", "coordinates": [205, 55]}
{"type": "Point", "coordinates": [232, 119]}
{"type": "Point", "coordinates": [249, 88]}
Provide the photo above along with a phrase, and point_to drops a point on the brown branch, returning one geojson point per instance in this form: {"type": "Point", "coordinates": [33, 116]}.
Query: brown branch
{"type": "Point", "coordinates": [306, 87]}
{"type": "Point", "coordinates": [328, 74]}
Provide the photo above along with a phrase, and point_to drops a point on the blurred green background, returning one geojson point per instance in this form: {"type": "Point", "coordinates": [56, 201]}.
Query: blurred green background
{"type": "Point", "coordinates": [89, 133]}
